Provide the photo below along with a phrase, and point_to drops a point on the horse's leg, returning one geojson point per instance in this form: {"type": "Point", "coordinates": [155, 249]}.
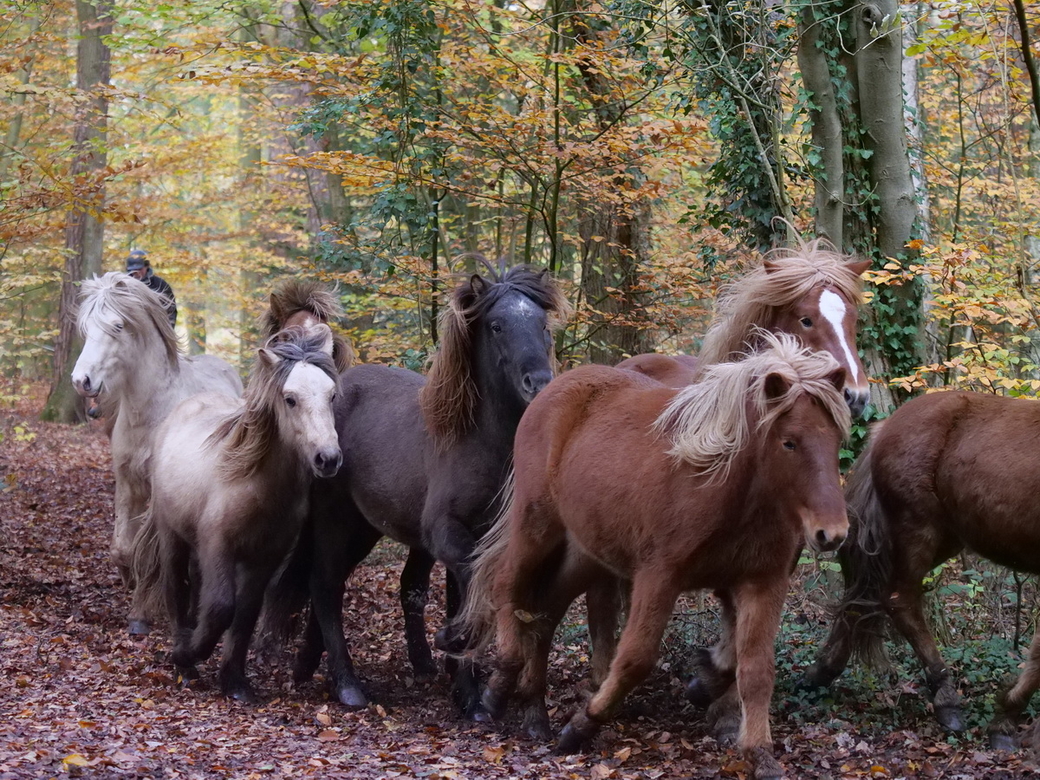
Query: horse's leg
{"type": "Point", "coordinates": [603, 604]}
{"type": "Point", "coordinates": [653, 597]}
{"type": "Point", "coordinates": [464, 672]}
{"type": "Point", "coordinates": [131, 503]}
{"type": "Point", "coordinates": [249, 598]}
{"type": "Point", "coordinates": [759, 607]}
{"type": "Point", "coordinates": [714, 669]}
{"type": "Point", "coordinates": [415, 586]}
{"type": "Point", "coordinates": [175, 555]}
{"type": "Point", "coordinates": [1010, 704]}
{"type": "Point", "coordinates": [340, 544]}
{"type": "Point", "coordinates": [216, 599]}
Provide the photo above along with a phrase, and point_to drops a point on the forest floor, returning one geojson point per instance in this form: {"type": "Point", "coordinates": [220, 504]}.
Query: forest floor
{"type": "Point", "coordinates": [79, 697]}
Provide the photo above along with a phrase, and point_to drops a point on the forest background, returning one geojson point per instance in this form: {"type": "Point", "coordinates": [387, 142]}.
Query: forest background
{"type": "Point", "coordinates": [640, 150]}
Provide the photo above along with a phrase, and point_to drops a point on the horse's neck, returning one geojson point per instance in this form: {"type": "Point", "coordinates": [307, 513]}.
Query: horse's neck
{"type": "Point", "coordinates": [496, 419]}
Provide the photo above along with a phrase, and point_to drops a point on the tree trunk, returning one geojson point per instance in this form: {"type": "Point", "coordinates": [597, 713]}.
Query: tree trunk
{"type": "Point", "coordinates": [615, 233]}
{"type": "Point", "coordinates": [84, 230]}
{"type": "Point", "coordinates": [14, 130]}
{"type": "Point", "coordinates": [825, 127]}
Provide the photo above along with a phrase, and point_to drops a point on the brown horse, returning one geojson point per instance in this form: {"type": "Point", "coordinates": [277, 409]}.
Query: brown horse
{"type": "Point", "coordinates": [716, 485]}
{"type": "Point", "coordinates": [296, 303]}
{"type": "Point", "coordinates": [810, 292]}
{"type": "Point", "coordinates": [229, 495]}
{"type": "Point", "coordinates": [945, 472]}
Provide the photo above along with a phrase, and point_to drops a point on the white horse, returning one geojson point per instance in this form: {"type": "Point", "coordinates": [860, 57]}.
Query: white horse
{"type": "Point", "coordinates": [132, 364]}
{"type": "Point", "coordinates": [230, 493]}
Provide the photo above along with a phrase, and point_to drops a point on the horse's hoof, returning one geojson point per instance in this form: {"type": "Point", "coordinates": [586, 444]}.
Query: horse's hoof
{"type": "Point", "coordinates": [353, 697]}
{"type": "Point", "coordinates": [478, 713]}
{"type": "Point", "coordinates": [726, 732]}
{"type": "Point", "coordinates": [949, 718]}
{"type": "Point", "coordinates": [766, 767]}
{"type": "Point", "coordinates": [537, 726]}
{"type": "Point", "coordinates": [494, 705]}
{"type": "Point", "coordinates": [1005, 742]}
{"type": "Point", "coordinates": [186, 675]}
{"type": "Point", "coordinates": [451, 639]}
{"type": "Point", "coordinates": [578, 732]}
{"type": "Point", "coordinates": [138, 627]}
{"type": "Point", "coordinates": [424, 667]}
{"type": "Point", "coordinates": [698, 693]}
{"type": "Point", "coordinates": [183, 659]}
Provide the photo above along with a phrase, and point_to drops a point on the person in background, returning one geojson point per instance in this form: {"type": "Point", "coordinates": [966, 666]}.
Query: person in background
{"type": "Point", "coordinates": [138, 266]}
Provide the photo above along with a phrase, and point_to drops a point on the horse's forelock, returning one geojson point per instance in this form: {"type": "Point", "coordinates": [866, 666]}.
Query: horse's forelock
{"type": "Point", "coordinates": [449, 397]}
{"type": "Point", "coordinates": [131, 301]}
{"type": "Point", "coordinates": [786, 276]}
{"type": "Point", "coordinates": [708, 420]}
{"type": "Point", "coordinates": [250, 432]}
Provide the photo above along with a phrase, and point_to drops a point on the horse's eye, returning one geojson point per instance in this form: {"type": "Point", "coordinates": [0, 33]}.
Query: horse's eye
{"type": "Point", "coordinates": [118, 327]}
{"type": "Point", "coordinates": [789, 445]}
{"type": "Point", "coordinates": [496, 328]}
{"type": "Point", "coordinates": [290, 401]}
{"type": "Point", "coordinates": [806, 322]}
{"type": "Point", "coordinates": [333, 399]}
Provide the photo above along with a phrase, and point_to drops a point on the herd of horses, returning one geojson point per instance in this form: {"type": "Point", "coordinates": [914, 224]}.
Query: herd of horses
{"type": "Point", "coordinates": [629, 484]}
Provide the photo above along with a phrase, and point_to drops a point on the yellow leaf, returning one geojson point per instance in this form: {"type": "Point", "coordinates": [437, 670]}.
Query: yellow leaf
{"type": "Point", "coordinates": [494, 754]}
{"type": "Point", "coordinates": [75, 760]}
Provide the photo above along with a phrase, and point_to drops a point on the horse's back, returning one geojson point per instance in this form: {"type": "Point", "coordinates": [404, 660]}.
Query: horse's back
{"type": "Point", "coordinates": [670, 370]}
{"type": "Point", "coordinates": [963, 461]}
{"type": "Point", "coordinates": [209, 373]}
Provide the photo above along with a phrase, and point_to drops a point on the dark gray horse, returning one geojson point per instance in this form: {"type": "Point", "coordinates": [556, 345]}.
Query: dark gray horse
{"type": "Point", "coordinates": [424, 463]}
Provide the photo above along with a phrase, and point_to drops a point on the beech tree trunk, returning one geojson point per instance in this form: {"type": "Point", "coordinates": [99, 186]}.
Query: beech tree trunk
{"type": "Point", "coordinates": [84, 229]}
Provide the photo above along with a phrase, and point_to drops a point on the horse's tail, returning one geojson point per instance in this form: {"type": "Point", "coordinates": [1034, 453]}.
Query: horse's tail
{"type": "Point", "coordinates": [289, 591]}
{"type": "Point", "coordinates": [866, 567]}
{"type": "Point", "coordinates": [146, 568]}
{"type": "Point", "coordinates": [475, 622]}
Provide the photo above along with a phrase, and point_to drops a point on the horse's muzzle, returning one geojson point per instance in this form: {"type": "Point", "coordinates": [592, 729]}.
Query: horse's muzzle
{"type": "Point", "coordinates": [327, 463]}
{"type": "Point", "coordinates": [85, 388]}
{"type": "Point", "coordinates": [857, 401]}
{"type": "Point", "coordinates": [825, 540]}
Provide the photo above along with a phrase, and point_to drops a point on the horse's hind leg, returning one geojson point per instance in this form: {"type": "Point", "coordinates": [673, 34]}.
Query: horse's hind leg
{"type": "Point", "coordinates": [415, 586]}
{"type": "Point", "coordinates": [1012, 703]}
{"type": "Point", "coordinates": [759, 607]}
{"type": "Point", "coordinates": [249, 598]}
{"type": "Point", "coordinates": [653, 597]}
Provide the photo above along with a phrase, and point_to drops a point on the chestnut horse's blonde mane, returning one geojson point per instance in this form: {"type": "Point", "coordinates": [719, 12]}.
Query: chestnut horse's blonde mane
{"type": "Point", "coordinates": [786, 276]}
{"type": "Point", "coordinates": [449, 397]}
{"type": "Point", "coordinates": [293, 296]}
{"type": "Point", "coordinates": [134, 302]}
{"type": "Point", "coordinates": [708, 421]}
{"type": "Point", "coordinates": [250, 433]}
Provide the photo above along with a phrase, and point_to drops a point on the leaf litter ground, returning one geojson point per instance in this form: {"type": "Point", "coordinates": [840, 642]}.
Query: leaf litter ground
{"type": "Point", "coordinates": [82, 698]}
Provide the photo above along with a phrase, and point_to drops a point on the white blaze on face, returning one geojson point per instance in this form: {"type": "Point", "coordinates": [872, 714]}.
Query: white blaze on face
{"type": "Point", "coordinates": [833, 309]}
{"type": "Point", "coordinates": [313, 421]}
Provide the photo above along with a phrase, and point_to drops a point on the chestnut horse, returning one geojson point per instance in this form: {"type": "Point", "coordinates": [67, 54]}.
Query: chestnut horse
{"type": "Point", "coordinates": [810, 292]}
{"type": "Point", "coordinates": [946, 472]}
{"type": "Point", "coordinates": [424, 462]}
{"type": "Point", "coordinates": [716, 485]}
{"type": "Point", "coordinates": [305, 304]}
{"type": "Point", "coordinates": [229, 494]}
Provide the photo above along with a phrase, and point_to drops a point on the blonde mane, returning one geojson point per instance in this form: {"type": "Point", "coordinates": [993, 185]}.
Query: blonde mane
{"type": "Point", "coordinates": [135, 303]}
{"type": "Point", "coordinates": [293, 296]}
{"type": "Point", "coordinates": [786, 276]}
{"type": "Point", "coordinates": [449, 397]}
{"type": "Point", "coordinates": [708, 421]}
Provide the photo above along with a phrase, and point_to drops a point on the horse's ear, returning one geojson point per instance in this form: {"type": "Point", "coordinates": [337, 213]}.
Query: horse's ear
{"type": "Point", "coordinates": [323, 330]}
{"type": "Point", "coordinates": [776, 386]}
{"type": "Point", "coordinates": [859, 267]}
{"type": "Point", "coordinates": [771, 266]}
{"type": "Point", "coordinates": [478, 284]}
{"type": "Point", "coordinates": [268, 357]}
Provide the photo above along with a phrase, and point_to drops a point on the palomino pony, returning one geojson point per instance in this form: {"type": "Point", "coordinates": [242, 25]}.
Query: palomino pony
{"type": "Point", "coordinates": [230, 491]}
{"type": "Point", "coordinates": [945, 472]}
{"type": "Point", "coordinates": [424, 461]}
{"type": "Point", "coordinates": [132, 364]}
{"type": "Point", "coordinates": [305, 304]}
{"type": "Point", "coordinates": [810, 292]}
{"type": "Point", "coordinates": [716, 485]}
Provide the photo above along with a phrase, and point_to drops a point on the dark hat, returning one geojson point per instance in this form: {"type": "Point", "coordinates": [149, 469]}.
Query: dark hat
{"type": "Point", "coordinates": [137, 260]}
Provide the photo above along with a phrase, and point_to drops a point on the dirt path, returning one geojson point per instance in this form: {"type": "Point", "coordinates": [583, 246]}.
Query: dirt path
{"type": "Point", "coordinates": [79, 697]}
